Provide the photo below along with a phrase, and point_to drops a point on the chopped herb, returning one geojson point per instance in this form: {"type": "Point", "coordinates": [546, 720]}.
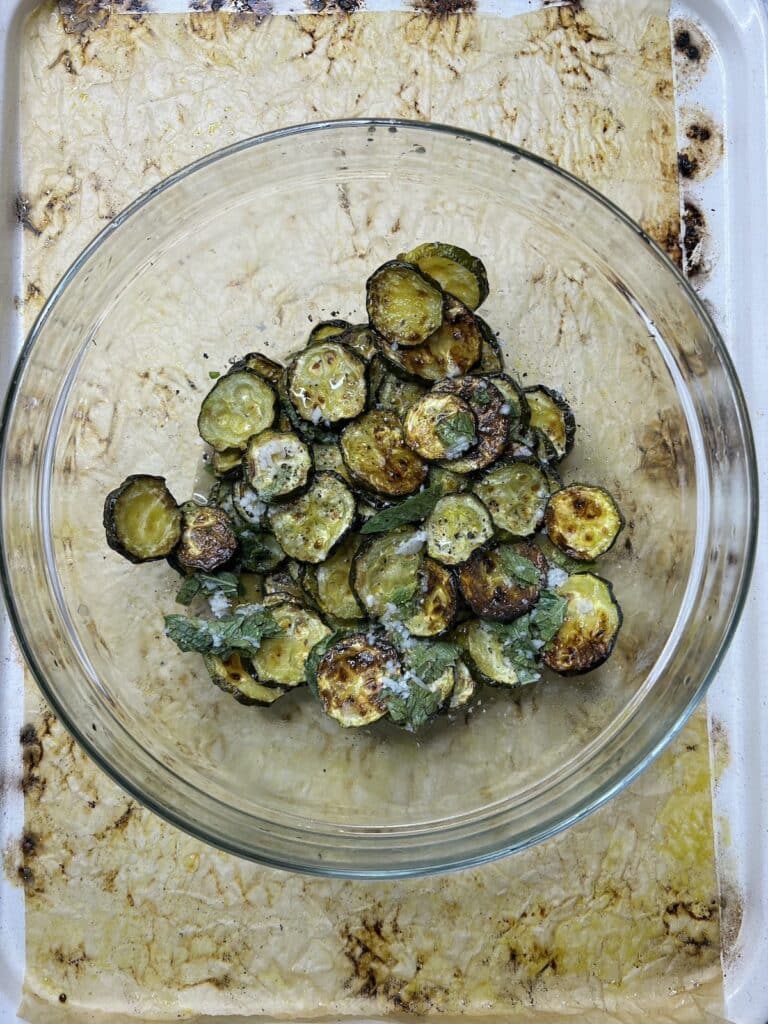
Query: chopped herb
{"type": "Point", "coordinates": [548, 615]}
{"type": "Point", "coordinates": [526, 637]}
{"type": "Point", "coordinates": [482, 397]}
{"type": "Point", "coordinates": [225, 583]}
{"type": "Point", "coordinates": [415, 709]}
{"type": "Point", "coordinates": [457, 431]}
{"type": "Point", "coordinates": [412, 510]}
{"type": "Point", "coordinates": [224, 636]}
{"type": "Point", "coordinates": [213, 374]}
{"type": "Point", "coordinates": [520, 568]}
{"type": "Point", "coordinates": [428, 659]}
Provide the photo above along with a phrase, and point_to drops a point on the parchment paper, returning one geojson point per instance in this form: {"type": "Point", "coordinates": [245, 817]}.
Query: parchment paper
{"type": "Point", "coordinates": [127, 918]}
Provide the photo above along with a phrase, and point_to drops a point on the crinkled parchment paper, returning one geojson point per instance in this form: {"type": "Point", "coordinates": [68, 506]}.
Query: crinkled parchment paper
{"type": "Point", "coordinates": [129, 919]}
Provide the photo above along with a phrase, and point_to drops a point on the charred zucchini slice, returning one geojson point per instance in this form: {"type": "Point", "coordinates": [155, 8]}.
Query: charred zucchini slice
{"type": "Point", "coordinates": [277, 464]}
{"type": "Point", "coordinates": [464, 686]}
{"type": "Point", "coordinates": [327, 383]}
{"type": "Point", "coordinates": [227, 463]}
{"type": "Point", "coordinates": [362, 340]}
{"type": "Point", "coordinates": [397, 395]}
{"type": "Point", "coordinates": [435, 600]}
{"type": "Point", "coordinates": [583, 521]}
{"type": "Point", "coordinates": [486, 653]}
{"type": "Point", "coordinates": [456, 271]}
{"type": "Point", "coordinates": [440, 425]}
{"type": "Point", "coordinates": [261, 365]}
{"type": "Point", "coordinates": [503, 583]}
{"type": "Point", "coordinates": [237, 406]}
{"type": "Point", "coordinates": [551, 414]}
{"type": "Point", "coordinates": [452, 350]}
{"type": "Point", "coordinates": [458, 525]}
{"type": "Point", "coordinates": [385, 570]}
{"type": "Point", "coordinates": [589, 630]}
{"type": "Point", "coordinates": [351, 676]}
{"type": "Point", "coordinates": [283, 659]}
{"type": "Point", "coordinates": [141, 518]}
{"type": "Point", "coordinates": [377, 457]}
{"type": "Point", "coordinates": [487, 403]}
{"type": "Point", "coordinates": [515, 406]}
{"type": "Point", "coordinates": [232, 676]}
{"type": "Point", "coordinates": [515, 492]}
{"type": "Point", "coordinates": [309, 527]}
{"type": "Point", "coordinates": [404, 306]}
{"type": "Point", "coordinates": [207, 538]}
{"type": "Point", "coordinates": [334, 589]}
{"type": "Point", "coordinates": [247, 504]}
{"type": "Point", "coordinates": [327, 329]}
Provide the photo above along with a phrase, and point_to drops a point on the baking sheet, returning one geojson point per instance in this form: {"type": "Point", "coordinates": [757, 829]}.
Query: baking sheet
{"type": "Point", "coordinates": [213, 144]}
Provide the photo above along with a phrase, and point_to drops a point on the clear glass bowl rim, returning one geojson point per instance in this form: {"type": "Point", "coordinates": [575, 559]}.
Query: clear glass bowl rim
{"type": "Point", "coordinates": [488, 843]}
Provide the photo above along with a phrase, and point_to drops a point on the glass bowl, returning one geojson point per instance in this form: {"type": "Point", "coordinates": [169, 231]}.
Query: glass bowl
{"type": "Point", "coordinates": [242, 251]}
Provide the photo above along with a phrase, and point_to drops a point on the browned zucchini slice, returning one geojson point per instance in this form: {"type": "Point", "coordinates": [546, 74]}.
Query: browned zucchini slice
{"type": "Point", "coordinates": [327, 383]}
{"type": "Point", "coordinates": [551, 414]}
{"type": "Point", "coordinates": [334, 589]}
{"type": "Point", "coordinates": [452, 350]}
{"type": "Point", "coordinates": [458, 525]}
{"type": "Point", "coordinates": [487, 402]}
{"type": "Point", "coordinates": [486, 654]}
{"type": "Point", "coordinates": [456, 271]}
{"type": "Point", "coordinates": [404, 306]}
{"type": "Point", "coordinates": [385, 570]}
{"type": "Point", "coordinates": [491, 359]}
{"type": "Point", "coordinates": [589, 630]}
{"type": "Point", "coordinates": [583, 521]}
{"type": "Point", "coordinates": [377, 457]}
{"type": "Point", "coordinates": [396, 394]}
{"type": "Point", "coordinates": [515, 406]}
{"type": "Point", "coordinates": [309, 527]}
{"type": "Point", "coordinates": [141, 518]}
{"type": "Point", "coordinates": [503, 583]}
{"type": "Point", "coordinates": [440, 425]}
{"type": "Point", "coordinates": [247, 504]}
{"type": "Point", "coordinates": [207, 538]}
{"type": "Point", "coordinates": [282, 659]}
{"type": "Point", "coordinates": [237, 406]}
{"type": "Point", "coordinates": [276, 464]}
{"type": "Point", "coordinates": [464, 686]}
{"type": "Point", "coordinates": [351, 676]}
{"type": "Point", "coordinates": [326, 329]}
{"type": "Point", "coordinates": [435, 600]}
{"type": "Point", "coordinates": [233, 677]}
{"type": "Point", "coordinates": [362, 340]}
{"type": "Point", "coordinates": [515, 492]}
{"type": "Point", "coordinates": [227, 463]}
{"type": "Point", "coordinates": [261, 365]}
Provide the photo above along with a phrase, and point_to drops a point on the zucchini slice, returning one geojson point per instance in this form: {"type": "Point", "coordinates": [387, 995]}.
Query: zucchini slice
{"type": "Point", "coordinates": [207, 538]}
{"type": "Point", "coordinates": [327, 383]}
{"type": "Point", "coordinates": [589, 630]}
{"type": "Point", "coordinates": [503, 583]}
{"type": "Point", "coordinates": [404, 306]}
{"type": "Point", "coordinates": [551, 414]}
{"type": "Point", "coordinates": [440, 425]}
{"type": "Point", "coordinates": [237, 406]}
{"type": "Point", "coordinates": [436, 601]}
{"type": "Point", "coordinates": [251, 587]}
{"type": "Point", "coordinates": [515, 492]}
{"type": "Point", "coordinates": [232, 676]}
{"type": "Point", "coordinates": [583, 521]}
{"type": "Point", "coordinates": [396, 394]}
{"type": "Point", "coordinates": [458, 525]}
{"type": "Point", "coordinates": [227, 463]}
{"type": "Point", "coordinates": [362, 340]}
{"type": "Point", "coordinates": [351, 676]}
{"type": "Point", "coordinates": [487, 403]}
{"type": "Point", "coordinates": [328, 458]}
{"type": "Point", "coordinates": [486, 654]}
{"type": "Point", "coordinates": [258, 551]}
{"type": "Point", "coordinates": [283, 659]}
{"type": "Point", "coordinates": [377, 457]}
{"type": "Point", "coordinates": [515, 406]}
{"type": "Point", "coordinates": [452, 350]}
{"type": "Point", "coordinates": [491, 359]}
{"type": "Point", "coordinates": [276, 464]}
{"type": "Point", "coordinates": [443, 685]}
{"type": "Point", "coordinates": [456, 271]}
{"type": "Point", "coordinates": [385, 570]}
{"type": "Point", "coordinates": [261, 365]}
{"type": "Point", "coordinates": [247, 504]}
{"type": "Point", "coordinates": [448, 482]}
{"type": "Point", "coordinates": [309, 527]}
{"type": "Point", "coordinates": [327, 329]}
{"type": "Point", "coordinates": [464, 686]}
{"type": "Point", "coordinates": [334, 589]}
{"type": "Point", "coordinates": [142, 520]}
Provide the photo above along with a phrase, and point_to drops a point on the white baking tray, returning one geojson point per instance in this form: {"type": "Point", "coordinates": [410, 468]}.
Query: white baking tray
{"type": "Point", "coordinates": [722, 72]}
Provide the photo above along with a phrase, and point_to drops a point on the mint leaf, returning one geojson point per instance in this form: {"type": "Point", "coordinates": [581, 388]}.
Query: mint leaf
{"type": "Point", "coordinates": [482, 397]}
{"type": "Point", "coordinates": [415, 709]}
{"type": "Point", "coordinates": [258, 551]}
{"type": "Point", "coordinates": [428, 659]}
{"type": "Point", "coordinates": [521, 569]}
{"type": "Point", "coordinates": [526, 637]}
{"type": "Point", "coordinates": [225, 583]}
{"type": "Point", "coordinates": [457, 432]}
{"type": "Point", "coordinates": [222, 636]}
{"type": "Point", "coordinates": [315, 656]}
{"type": "Point", "coordinates": [188, 590]}
{"type": "Point", "coordinates": [402, 598]}
{"type": "Point", "coordinates": [412, 510]}
{"type": "Point", "coordinates": [548, 615]}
